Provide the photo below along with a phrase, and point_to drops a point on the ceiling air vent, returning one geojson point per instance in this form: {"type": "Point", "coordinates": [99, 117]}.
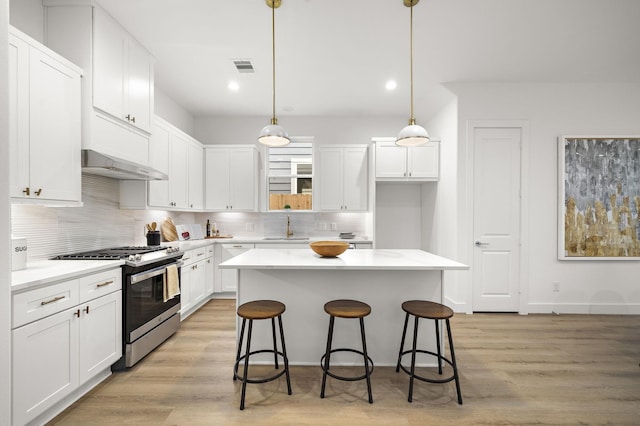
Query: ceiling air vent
{"type": "Point", "coordinates": [243, 65]}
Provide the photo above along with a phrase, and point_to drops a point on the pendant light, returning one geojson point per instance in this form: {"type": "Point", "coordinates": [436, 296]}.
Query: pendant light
{"type": "Point", "coordinates": [413, 134]}
{"type": "Point", "coordinates": [272, 134]}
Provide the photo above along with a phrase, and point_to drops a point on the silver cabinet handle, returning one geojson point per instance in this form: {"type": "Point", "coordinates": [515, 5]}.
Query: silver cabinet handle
{"type": "Point", "coordinates": [104, 283]}
{"type": "Point", "coordinates": [479, 244]}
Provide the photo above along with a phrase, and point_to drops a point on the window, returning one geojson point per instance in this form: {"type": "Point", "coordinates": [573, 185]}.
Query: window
{"type": "Point", "coordinates": [290, 175]}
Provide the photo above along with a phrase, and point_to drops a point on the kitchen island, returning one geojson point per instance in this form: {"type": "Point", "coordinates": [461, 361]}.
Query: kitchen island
{"type": "Point", "coordinates": [304, 282]}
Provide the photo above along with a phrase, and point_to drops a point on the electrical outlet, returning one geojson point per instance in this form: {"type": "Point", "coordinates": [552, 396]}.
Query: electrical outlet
{"type": "Point", "coordinates": [322, 226]}
{"type": "Point", "coordinates": [249, 227]}
{"type": "Point", "coordinates": [555, 285]}
{"type": "Point", "coordinates": [334, 226]}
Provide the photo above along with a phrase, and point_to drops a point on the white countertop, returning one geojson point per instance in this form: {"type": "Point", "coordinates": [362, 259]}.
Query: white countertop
{"type": "Point", "coordinates": [48, 271]}
{"type": "Point", "coordinates": [193, 244]}
{"type": "Point", "coordinates": [380, 259]}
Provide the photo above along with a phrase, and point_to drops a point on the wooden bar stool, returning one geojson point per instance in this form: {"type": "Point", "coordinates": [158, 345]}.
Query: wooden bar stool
{"type": "Point", "coordinates": [259, 310]}
{"type": "Point", "coordinates": [435, 311]}
{"type": "Point", "coordinates": [346, 309]}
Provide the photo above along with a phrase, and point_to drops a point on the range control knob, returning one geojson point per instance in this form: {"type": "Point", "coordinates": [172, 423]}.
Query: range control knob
{"type": "Point", "coordinates": [131, 258]}
{"type": "Point", "coordinates": [138, 257]}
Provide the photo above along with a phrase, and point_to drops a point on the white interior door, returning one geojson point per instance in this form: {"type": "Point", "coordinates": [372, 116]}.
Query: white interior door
{"type": "Point", "coordinates": [496, 221]}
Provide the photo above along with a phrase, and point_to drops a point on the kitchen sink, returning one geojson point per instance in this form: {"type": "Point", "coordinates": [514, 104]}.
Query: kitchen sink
{"type": "Point", "coordinates": [285, 238]}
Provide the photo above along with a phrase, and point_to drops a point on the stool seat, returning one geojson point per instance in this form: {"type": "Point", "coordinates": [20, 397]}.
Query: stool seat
{"type": "Point", "coordinates": [261, 309]}
{"type": "Point", "coordinates": [345, 308]}
{"type": "Point", "coordinates": [426, 309]}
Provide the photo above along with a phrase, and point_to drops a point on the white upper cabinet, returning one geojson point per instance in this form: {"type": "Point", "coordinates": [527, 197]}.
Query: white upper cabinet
{"type": "Point", "coordinates": [123, 73]}
{"type": "Point", "coordinates": [180, 156]}
{"type": "Point", "coordinates": [396, 163]}
{"type": "Point", "coordinates": [231, 178]}
{"type": "Point", "coordinates": [118, 84]}
{"type": "Point", "coordinates": [44, 123]}
{"type": "Point", "coordinates": [343, 178]}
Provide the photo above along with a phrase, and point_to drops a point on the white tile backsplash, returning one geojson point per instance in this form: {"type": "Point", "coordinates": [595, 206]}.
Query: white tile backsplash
{"type": "Point", "coordinates": [100, 223]}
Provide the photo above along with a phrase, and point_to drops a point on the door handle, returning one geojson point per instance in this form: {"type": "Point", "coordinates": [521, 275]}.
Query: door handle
{"type": "Point", "coordinates": [480, 244]}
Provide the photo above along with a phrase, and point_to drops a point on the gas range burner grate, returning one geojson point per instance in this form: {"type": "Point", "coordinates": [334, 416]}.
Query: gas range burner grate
{"type": "Point", "coordinates": [110, 253]}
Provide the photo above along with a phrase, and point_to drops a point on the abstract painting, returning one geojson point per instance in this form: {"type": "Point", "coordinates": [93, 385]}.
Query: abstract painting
{"type": "Point", "coordinates": [598, 198]}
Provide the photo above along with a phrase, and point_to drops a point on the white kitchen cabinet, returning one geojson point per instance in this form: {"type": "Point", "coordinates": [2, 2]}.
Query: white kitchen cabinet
{"type": "Point", "coordinates": [231, 178]}
{"type": "Point", "coordinates": [193, 281]}
{"type": "Point", "coordinates": [195, 181]}
{"type": "Point", "coordinates": [44, 123]}
{"type": "Point", "coordinates": [417, 163]}
{"type": "Point", "coordinates": [118, 84]}
{"type": "Point", "coordinates": [179, 156]}
{"type": "Point", "coordinates": [228, 278]}
{"type": "Point", "coordinates": [57, 349]}
{"type": "Point", "coordinates": [343, 178]}
{"type": "Point", "coordinates": [209, 270]}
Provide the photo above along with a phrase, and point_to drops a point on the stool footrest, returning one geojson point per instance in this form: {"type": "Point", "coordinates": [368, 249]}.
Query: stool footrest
{"type": "Point", "coordinates": [348, 379]}
{"type": "Point", "coordinates": [263, 380]}
{"type": "Point", "coordinates": [424, 379]}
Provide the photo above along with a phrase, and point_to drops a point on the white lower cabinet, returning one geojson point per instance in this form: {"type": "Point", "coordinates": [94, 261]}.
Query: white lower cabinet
{"type": "Point", "coordinates": [193, 280]}
{"type": "Point", "coordinates": [56, 348]}
{"type": "Point", "coordinates": [209, 271]}
{"type": "Point", "coordinates": [228, 278]}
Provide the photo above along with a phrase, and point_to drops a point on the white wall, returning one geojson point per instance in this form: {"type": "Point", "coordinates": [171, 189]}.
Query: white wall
{"type": "Point", "coordinates": [28, 17]}
{"type": "Point", "coordinates": [5, 225]}
{"type": "Point", "coordinates": [325, 130]}
{"type": "Point", "coordinates": [172, 112]}
{"type": "Point", "coordinates": [554, 110]}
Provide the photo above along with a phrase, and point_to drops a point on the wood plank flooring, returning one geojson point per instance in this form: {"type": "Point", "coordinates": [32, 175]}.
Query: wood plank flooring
{"type": "Point", "coordinates": [535, 369]}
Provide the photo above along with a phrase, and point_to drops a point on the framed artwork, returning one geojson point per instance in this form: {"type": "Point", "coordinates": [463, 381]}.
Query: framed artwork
{"type": "Point", "coordinates": [598, 198]}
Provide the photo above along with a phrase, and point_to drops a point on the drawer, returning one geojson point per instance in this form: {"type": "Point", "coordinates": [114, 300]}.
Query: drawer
{"type": "Point", "coordinates": [193, 256]}
{"type": "Point", "coordinates": [209, 250]}
{"type": "Point", "coordinates": [245, 246]}
{"type": "Point", "coordinates": [97, 285]}
{"type": "Point", "coordinates": [44, 301]}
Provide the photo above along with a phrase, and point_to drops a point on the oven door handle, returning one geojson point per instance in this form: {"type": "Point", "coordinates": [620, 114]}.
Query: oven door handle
{"type": "Point", "coordinates": [152, 273]}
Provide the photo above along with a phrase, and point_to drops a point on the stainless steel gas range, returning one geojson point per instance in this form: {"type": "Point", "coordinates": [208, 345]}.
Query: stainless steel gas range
{"type": "Point", "coordinates": [149, 315]}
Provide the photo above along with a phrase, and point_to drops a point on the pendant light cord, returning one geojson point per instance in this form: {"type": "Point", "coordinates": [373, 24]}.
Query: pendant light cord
{"type": "Point", "coordinates": [274, 120]}
{"type": "Point", "coordinates": [411, 118]}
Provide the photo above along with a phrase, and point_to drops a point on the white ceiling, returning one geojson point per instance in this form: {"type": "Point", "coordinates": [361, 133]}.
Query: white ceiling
{"type": "Point", "coordinates": [334, 57]}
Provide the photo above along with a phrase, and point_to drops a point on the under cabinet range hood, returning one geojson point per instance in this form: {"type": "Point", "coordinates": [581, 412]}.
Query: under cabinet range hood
{"type": "Point", "coordinates": [97, 163]}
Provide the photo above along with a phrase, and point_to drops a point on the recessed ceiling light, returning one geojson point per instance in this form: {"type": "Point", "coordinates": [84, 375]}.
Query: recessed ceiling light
{"type": "Point", "coordinates": [233, 86]}
{"type": "Point", "coordinates": [391, 85]}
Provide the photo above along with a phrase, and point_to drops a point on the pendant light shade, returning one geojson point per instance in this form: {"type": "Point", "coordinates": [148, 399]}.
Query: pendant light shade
{"type": "Point", "coordinates": [272, 134]}
{"type": "Point", "coordinates": [413, 134]}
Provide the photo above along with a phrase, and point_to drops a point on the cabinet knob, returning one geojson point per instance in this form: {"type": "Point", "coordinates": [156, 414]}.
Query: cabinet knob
{"type": "Point", "coordinates": [26, 191]}
{"type": "Point", "coordinates": [38, 192]}
{"type": "Point", "coordinates": [130, 118]}
{"type": "Point", "coordinates": [86, 309]}
{"type": "Point", "coordinates": [77, 313]}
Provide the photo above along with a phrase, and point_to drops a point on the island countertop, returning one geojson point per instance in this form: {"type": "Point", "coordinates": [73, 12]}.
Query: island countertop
{"type": "Point", "coordinates": [367, 259]}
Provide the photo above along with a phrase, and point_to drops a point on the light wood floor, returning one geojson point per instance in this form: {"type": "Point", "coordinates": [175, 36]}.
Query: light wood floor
{"type": "Point", "coordinates": [535, 369]}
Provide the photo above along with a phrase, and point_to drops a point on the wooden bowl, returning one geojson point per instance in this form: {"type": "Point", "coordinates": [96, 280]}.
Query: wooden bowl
{"type": "Point", "coordinates": [329, 248]}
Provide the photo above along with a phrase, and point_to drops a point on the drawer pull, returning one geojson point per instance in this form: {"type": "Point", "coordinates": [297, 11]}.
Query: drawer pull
{"type": "Point", "coordinates": [200, 254]}
{"type": "Point", "coordinates": [55, 299]}
{"type": "Point", "coordinates": [104, 283]}
{"type": "Point", "coordinates": [77, 313]}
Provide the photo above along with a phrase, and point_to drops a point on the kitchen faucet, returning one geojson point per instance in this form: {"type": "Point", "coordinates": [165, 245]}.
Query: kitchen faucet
{"type": "Point", "coordinates": [289, 230]}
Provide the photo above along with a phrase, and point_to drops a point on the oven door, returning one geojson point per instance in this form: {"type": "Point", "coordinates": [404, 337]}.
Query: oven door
{"type": "Point", "coordinates": [145, 307]}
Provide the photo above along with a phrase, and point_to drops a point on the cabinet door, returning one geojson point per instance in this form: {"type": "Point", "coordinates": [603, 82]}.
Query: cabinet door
{"type": "Point", "coordinates": [100, 334]}
{"type": "Point", "coordinates": [178, 178]}
{"type": "Point", "coordinates": [209, 272]}
{"type": "Point", "coordinates": [423, 161]}
{"type": "Point", "coordinates": [196, 178]}
{"type": "Point", "coordinates": [139, 86]}
{"type": "Point", "coordinates": [54, 129]}
{"type": "Point", "coordinates": [159, 155]}
{"type": "Point", "coordinates": [45, 364]}
{"type": "Point", "coordinates": [18, 117]}
{"type": "Point", "coordinates": [330, 186]}
{"type": "Point", "coordinates": [242, 172]}
{"type": "Point", "coordinates": [186, 276]}
{"type": "Point", "coordinates": [229, 277]}
{"type": "Point", "coordinates": [355, 179]}
{"type": "Point", "coordinates": [391, 160]}
{"type": "Point", "coordinates": [109, 49]}
{"type": "Point", "coordinates": [198, 282]}
{"type": "Point", "coordinates": [216, 179]}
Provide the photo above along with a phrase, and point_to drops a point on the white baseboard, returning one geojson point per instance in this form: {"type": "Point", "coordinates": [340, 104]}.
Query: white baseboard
{"type": "Point", "coordinates": [585, 308]}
